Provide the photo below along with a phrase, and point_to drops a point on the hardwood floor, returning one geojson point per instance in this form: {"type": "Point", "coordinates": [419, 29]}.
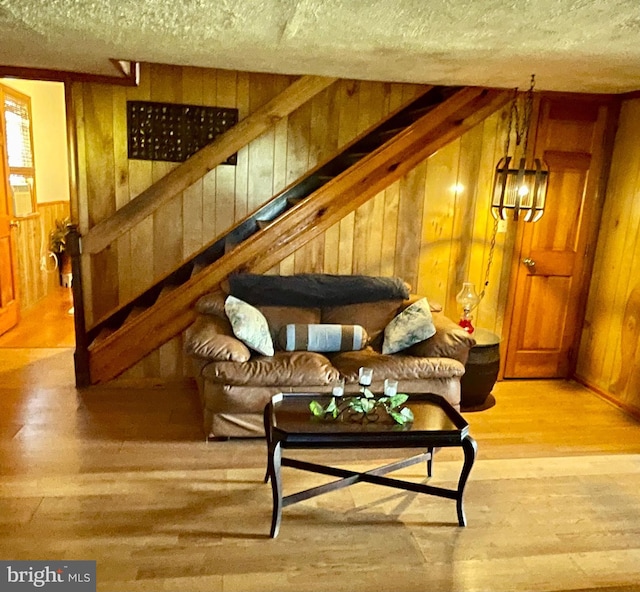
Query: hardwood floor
{"type": "Point", "coordinates": [124, 477]}
{"type": "Point", "coordinates": [48, 323]}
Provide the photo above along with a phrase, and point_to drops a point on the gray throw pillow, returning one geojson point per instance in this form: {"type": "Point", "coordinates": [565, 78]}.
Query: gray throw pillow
{"type": "Point", "coordinates": [412, 325]}
{"type": "Point", "coordinates": [249, 325]}
{"type": "Point", "coordinates": [322, 337]}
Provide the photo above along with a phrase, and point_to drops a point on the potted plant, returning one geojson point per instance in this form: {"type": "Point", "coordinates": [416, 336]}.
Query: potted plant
{"type": "Point", "coordinates": [58, 246]}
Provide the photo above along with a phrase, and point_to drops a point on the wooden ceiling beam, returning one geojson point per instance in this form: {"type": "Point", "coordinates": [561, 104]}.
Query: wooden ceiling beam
{"type": "Point", "coordinates": [129, 74]}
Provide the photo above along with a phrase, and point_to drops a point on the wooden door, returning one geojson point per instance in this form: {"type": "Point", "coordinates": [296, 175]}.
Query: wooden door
{"type": "Point", "coordinates": [548, 298]}
{"type": "Point", "coordinates": [9, 308]}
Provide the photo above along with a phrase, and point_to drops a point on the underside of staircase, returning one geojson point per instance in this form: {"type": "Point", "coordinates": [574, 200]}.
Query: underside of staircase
{"type": "Point", "coordinates": [298, 214]}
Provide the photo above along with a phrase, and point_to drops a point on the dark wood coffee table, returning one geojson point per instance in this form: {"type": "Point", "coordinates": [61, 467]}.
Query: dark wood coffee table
{"type": "Point", "coordinates": [289, 424]}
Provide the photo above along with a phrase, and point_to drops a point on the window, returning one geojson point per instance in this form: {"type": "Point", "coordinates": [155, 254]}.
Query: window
{"type": "Point", "coordinates": [16, 121]}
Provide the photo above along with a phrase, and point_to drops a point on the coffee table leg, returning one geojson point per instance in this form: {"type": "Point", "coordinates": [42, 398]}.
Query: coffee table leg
{"type": "Point", "coordinates": [470, 448]}
{"type": "Point", "coordinates": [430, 461]}
{"type": "Point", "coordinates": [275, 459]}
{"type": "Point", "coordinates": [267, 432]}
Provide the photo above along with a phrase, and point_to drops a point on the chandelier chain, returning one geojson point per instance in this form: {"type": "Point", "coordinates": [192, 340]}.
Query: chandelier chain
{"type": "Point", "coordinates": [518, 122]}
{"type": "Point", "coordinates": [519, 119]}
{"type": "Point", "coordinates": [528, 110]}
{"type": "Point", "coordinates": [512, 109]}
{"type": "Point", "coordinates": [492, 246]}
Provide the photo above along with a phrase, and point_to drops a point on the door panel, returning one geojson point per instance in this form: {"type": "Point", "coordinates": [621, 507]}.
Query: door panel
{"type": "Point", "coordinates": [545, 327]}
{"type": "Point", "coordinates": [8, 279]}
{"type": "Point", "coordinates": [567, 177]}
{"type": "Point", "coordinates": [9, 308]}
{"type": "Point", "coordinates": [547, 303]}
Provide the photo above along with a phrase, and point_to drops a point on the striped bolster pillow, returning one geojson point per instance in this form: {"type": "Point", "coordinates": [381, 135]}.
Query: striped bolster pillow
{"type": "Point", "coordinates": [322, 338]}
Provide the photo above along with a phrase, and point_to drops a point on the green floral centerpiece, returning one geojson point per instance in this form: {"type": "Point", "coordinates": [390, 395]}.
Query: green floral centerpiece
{"type": "Point", "coordinates": [364, 407]}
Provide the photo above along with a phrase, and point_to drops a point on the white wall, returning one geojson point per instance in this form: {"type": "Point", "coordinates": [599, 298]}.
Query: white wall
{"type": "Point", "coordinates": [49, 137]}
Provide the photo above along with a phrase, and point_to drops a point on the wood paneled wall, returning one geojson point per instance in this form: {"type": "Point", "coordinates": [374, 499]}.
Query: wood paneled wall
{"type": "Point", "coordinates": [432, 227]}
{"type": "Point", "coordinates": [107, 179]}
{"type": "Point", "coordinates": [36, 270]}
{"type": "Point", "coordinates": [609, 357]}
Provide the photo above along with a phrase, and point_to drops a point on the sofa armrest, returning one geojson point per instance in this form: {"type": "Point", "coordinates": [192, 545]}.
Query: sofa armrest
{"type": "Point", "coordinates": [449, 341]}
{"type": "Point", "coordinates": [211, 337]}
{"type": "Point", "coordinates": [212, 303]}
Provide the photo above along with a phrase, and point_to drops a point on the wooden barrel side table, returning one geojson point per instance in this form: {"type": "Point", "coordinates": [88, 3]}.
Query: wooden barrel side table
{"type": "Point", "coordinates": [481, 370]}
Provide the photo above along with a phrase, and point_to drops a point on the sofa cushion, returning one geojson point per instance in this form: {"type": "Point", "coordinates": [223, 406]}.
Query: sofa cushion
{"type": "Point", "coordinates": [249, 325]}
{"type": "Point", "coordinates": [449, 341]}
{"type": "Point", "coordinates": [212, 338]}
{"type": "Point", "coordinates": [397, 366]}
{"type": "Point", "coordinates": [322, 337]}
{"type": "Point", "coordinates": [279, 316]}
{"type": "Point", "coordinates": [412, 325]}
{"type": "Point", "coordinates": [212, 304]}
{"type": "Point", "coordinates": [433, 306]}
{"type": "Point", "coordinates": [281, 369]}
{"type": "Point", "coordinates": [373, 316]}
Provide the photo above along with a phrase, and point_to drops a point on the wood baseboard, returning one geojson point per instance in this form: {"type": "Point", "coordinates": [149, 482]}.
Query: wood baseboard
{"type": "Point", "coordinates": [608, 397]}
{"type": "Point", "coordinates": [147, 382]}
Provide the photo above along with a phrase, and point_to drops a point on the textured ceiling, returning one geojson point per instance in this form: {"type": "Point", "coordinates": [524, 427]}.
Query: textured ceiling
{"type": "Point", "coordinates": [576, 45]}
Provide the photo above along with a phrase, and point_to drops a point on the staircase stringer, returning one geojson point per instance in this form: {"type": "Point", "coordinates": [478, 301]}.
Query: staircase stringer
{"type": "Point", "coordinates": [308, 219]}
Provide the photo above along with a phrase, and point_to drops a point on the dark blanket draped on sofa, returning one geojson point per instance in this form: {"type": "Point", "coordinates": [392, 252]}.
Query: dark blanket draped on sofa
{"type": "Point", "coordinates": [315, 289]}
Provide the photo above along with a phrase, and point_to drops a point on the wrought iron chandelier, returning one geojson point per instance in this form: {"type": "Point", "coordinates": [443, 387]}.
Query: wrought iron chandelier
{"type": "Point", "coordinates": [521, 190]}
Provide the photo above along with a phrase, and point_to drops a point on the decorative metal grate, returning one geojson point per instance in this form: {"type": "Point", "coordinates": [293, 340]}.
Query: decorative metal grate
{"type": "Point", "coordinates": [171, 132]}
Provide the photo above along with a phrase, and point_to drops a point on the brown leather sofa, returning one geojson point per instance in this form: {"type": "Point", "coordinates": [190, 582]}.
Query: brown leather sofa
{"type": "Point", "coordinates": [236, 383]}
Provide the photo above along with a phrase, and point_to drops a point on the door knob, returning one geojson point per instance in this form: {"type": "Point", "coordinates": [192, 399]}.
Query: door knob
{"type": "Point", "coordinates": [14, 224]}
{"type": "Point", "coordinates": [529, 262]}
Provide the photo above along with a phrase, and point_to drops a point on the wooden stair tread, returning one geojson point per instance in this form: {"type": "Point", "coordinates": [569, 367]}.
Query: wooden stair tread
{"type": "Point", "coordinates": [198, 267]}
{"type": "Point", "coordinates": [420, 111]}
{"type": "Point", "coordinates": [104, 333]}
{"type": "Point", "coordinates": [135, 311]}
{"type": "Point", "coordinates": [166, 290]}
{"type": "Point", "coordinates": [386, 134]}
{"type": "Point", "coordinates": [229, 245]}
{"type": "Point", "coordinates": [355, 156]}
